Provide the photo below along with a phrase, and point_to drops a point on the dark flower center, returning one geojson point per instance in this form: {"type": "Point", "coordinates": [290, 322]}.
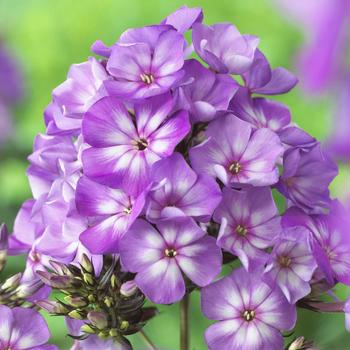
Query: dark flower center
{"type": "Point", "coordinates": [170, 253]}
{"type": "Point", "coordinates": [147, 78]}
{"type": "Point", "coordinates": [284, 261]}
{"type": "Point", "coordinates": [235, 168]}
{"type": "Point", "coordinates": [127, 210]}
{"type": "Point", "coordinates": [35, 256]}
{"type": "Point", "coordinates": [249, 315]}
{"type": "Point", "coordinates": [241, 230]}
{"type": "Point", "coordinates": [141, 144]}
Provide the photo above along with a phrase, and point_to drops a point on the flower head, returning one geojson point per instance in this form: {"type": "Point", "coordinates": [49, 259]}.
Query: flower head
{"type": "Point", "coordinates": [249, 224]}
{"type": "Point", "coordinates": [22, 329]}
{"type": "Point", "coordinates": [154, 56]}
{"type": "Point", "coordinates": [84, 86]}
{"type": "Point", "coordinates": [112, 212]}
{"type": "Point", "coordinates": [330, 243]}
{"type": "Point", "coordinates": [224, 48]}
{"type": "Point", "coordinates": [203, 92]}
{"type": "Point", "coordinates": [161, 256]}
{"type": "Point", "coordinates": [250, 314]}
{"type": "Point", "coordinates": [124, 145]}
{"type": "Point", "coordinates": [237, 154]}
{"type": "Point", "coordinates": [261, 79]}
{"type": "Point", "coordinates": [306, 178]}
{"type": "Point", "coordinates": [179, 191]}
{"type": "Point", "coordinates": [291, 265]}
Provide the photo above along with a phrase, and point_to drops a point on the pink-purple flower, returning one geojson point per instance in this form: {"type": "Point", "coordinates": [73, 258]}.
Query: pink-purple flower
{"type": "Point", "coordinates": [125, 144]}
{"type": "Point", "coordinates": [161, 257]}
{"type": "Point", "coordinates": [307, 174]}
{"type": "Point", "coordinates": [111, 211]}
{"type": "Point", "coordinates": [145, 62]}
{"type": "Point", "coordinates": [331, 241]}
{"type": "Point", "coordinates": [237, 154]}
{"type": "Point", "coordinates": [224, 48]}
{"type": "Point", "coordinates": [250, 314]}
{"type": "Point", "coordinates": [203, 93]}
{"type": "Point", "coordinates": [179, 191]}
{"type": "Point", "coordinates": [291, 264]}
{"type": "Point", "coordinates": [249, 224]}
{"type": "Point", "coordinates": [23, 329]}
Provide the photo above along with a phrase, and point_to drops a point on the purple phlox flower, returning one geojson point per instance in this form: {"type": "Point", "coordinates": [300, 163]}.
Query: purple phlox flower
{"type": "Point", "coordinates": [11, 80]}
{"type": "Point", "coordinates": [63, 225]}
{"type": "Point", "coordinates": [92, 341]}
{"type": "Point", "coordinates": [204, 92]}
{"type": "Point", "coordinates": [112, 212]}
{"type": "Point", "coordinates": [55, 167]}
{"type": "Point", "coordinates": [237, 154]}
{"type": "Point", "coordinates": [184, 18]}
{"type": "Point", "coordinates": [23, 329]}
{"type": "Point", "coordinates": [83, 87]}
{"type": "Point", "coordinates": [145, 62]}
{"type": "Point", "coordinates": [331, 241]}
{"type": "Point", "coordinates": [260, 112]}
{"type": "Point", "coordinates": [224, 48]}
{"type": "Point", "coordinates": [250, 314]}
{"type": "Point", "coordinates": [249, 223]}
{"type": "Point", "coordinates": [49, 230]}
{"type": "Point", "coordinates": [179, 191]}
{"type": "Point", "coordinates": [126, 144]}
{"type": "Point", "coordinates": [339, 141]}
{"type": "Point", "coordinates": [261, 79]}
{"type": "Point", "coordinates": [59, 124]}
{"type": "Point", "coordinates": [347, 314]}
{"type": "Point", "coordinates": [27, 228]}
{"type": "Point", "coordinates": [306, 176]}
{"type": "Point", "coordinates": [326, 22]}
{"type": "Point", "coordinates": [291, 264]}
{"type": "Point", "coordinates": [161, 256]}
{"type": "Point", "coordinates": [264, 113]}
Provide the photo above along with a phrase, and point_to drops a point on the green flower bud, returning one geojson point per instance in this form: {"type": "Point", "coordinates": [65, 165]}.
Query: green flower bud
{"type": "Point", "coordinates": [86, 264]}
{"type": "Point", "coordinates": [98, 319]}
{"type": "Point", "coordinates": [76, 315]}
{"type": "Point", "coordinates": [87, 329]}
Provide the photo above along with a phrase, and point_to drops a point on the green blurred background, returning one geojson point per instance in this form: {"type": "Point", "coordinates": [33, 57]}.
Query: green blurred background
{"type": "Point", "coordinates": [48, 36]}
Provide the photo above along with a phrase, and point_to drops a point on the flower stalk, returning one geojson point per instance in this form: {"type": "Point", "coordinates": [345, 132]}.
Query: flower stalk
{"type": "Point", "coordinates": [184, 323]}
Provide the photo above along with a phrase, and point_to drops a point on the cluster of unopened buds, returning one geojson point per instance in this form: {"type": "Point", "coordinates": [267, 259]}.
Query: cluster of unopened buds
{"type": "Point", "coordinates": [156, 169]}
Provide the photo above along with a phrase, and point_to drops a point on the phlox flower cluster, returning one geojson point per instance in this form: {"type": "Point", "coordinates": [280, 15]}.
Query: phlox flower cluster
{"type": "Point", "coordinates": [169, 154]}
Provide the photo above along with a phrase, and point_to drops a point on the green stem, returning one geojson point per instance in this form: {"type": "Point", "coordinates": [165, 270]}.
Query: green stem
{"type": "Point", "coordinates": [147, 340]}
{"type": "Point", "coordinates": [184, 323]}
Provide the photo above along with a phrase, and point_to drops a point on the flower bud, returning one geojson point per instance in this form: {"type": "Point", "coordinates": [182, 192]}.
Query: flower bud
{"type": "Point", "coordinates": [300, 344]}
{"type": "Point", "coordinates": [52, 307]}
{"type": "Point", "coordinates": [60, 268]}
{"type": "Point", "coordinates": [27, 289]}
{"type": "Point", "coordinates": [124, 325]}
{"type": "Point", "coordinates": [108, 301]}
{"type": "Point", "coordinates": [11, 283]}
{"type": "Point", "coordinates": [88, 279]}
{"type": "Point", "coordinates": [75, 301]}
{"type": "Point", "coordinates": [59, 282]}
{"type": "Point", "coordinates": [76, 315]}
{"type": "Point", "coordinates": [98, 319]}
{"type": "Point", "coordinates": [87, 329]}
{"type": "Point", "coordinates": [128, 289]}
{"type": "Point", "coordinates": [86, 264]}
{"type": "Point", "coordinates": [3, 245]}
